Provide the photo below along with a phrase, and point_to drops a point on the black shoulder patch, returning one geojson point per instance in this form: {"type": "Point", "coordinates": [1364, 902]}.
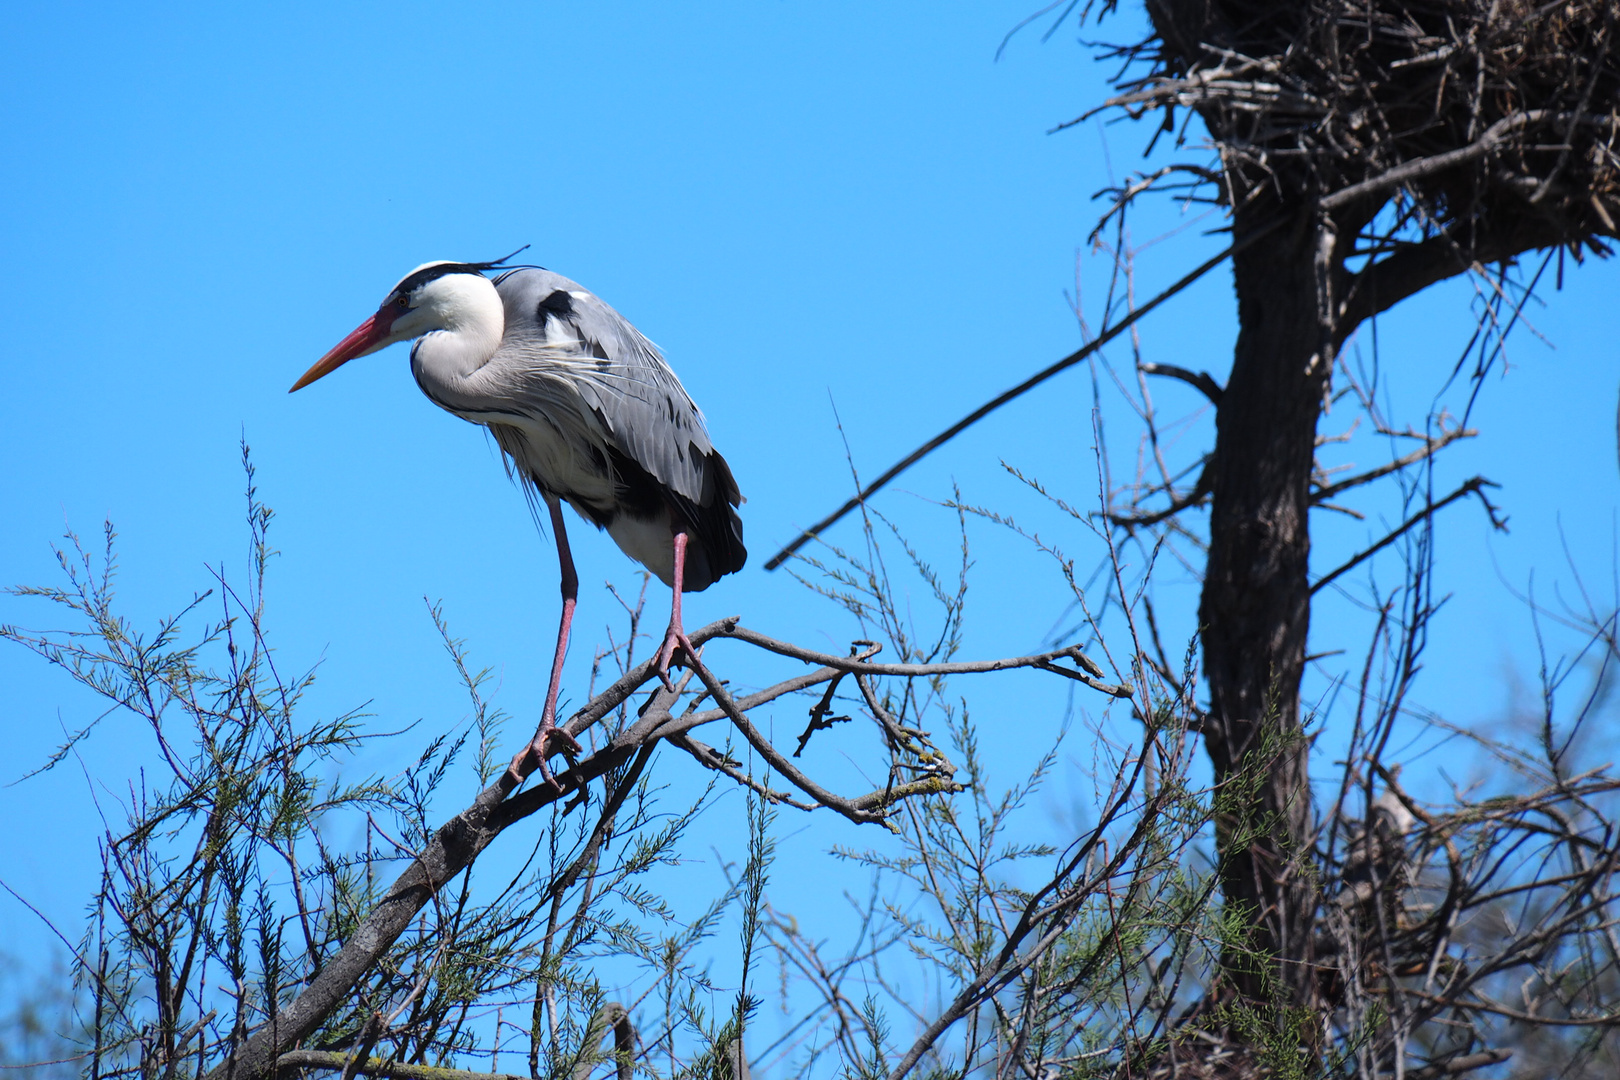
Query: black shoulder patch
{"type": "Point", "coordinates": [559, 303]}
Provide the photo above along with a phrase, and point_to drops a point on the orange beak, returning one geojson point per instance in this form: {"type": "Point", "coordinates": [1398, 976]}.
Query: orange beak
{"type": "Point", "coordinates": [367, 337]}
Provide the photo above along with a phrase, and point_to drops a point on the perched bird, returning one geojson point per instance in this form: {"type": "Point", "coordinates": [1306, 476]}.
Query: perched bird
{"type": "Point", "coordinates": [586, 411]}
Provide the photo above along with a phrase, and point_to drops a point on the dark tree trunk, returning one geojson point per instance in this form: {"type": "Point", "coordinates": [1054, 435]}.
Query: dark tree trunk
{"type": "Point", "coordinates": [1255, 609]}
{"type": "Point", "coordinates": [1486, 130]}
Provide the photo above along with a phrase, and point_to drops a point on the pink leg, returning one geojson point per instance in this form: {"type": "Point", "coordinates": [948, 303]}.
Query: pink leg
{"type": "Point", "coordinates": [535, 753]}
{"type": "Point", "coordinates": [676, 635]}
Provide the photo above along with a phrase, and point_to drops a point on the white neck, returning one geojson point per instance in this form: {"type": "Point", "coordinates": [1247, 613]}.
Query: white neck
{"type": "Point", "coordinates": [460, 321]}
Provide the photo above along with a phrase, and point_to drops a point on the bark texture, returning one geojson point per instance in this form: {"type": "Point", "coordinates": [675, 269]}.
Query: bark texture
{"type": "Point", "coordinates": [1255, 610]}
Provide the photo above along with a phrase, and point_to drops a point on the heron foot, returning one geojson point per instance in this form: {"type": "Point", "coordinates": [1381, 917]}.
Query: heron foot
{"type": "Point", "coordinates": [675, 639]}
{"type": "Point", "coordinates": [534, 755]}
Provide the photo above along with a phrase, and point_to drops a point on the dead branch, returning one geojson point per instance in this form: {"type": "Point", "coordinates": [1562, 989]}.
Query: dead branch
{"type": "Point", "coordinates": [1199, 495]}
{"type": "Point", "coordinates": [710, 758]}
{"type": "Point", "coordinates": [1474, 486]}
{"type": "Point", "coordinates": [1202, 381]}
{"type": "Point", "coordinates": [1431, 447]}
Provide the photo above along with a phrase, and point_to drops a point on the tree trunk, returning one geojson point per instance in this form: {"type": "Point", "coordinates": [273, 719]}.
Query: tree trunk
{"type": "Point", "coordinates": [1255, 609]}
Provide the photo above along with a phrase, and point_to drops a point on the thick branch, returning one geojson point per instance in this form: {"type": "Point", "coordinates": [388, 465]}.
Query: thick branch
{"type": "Point", "coordinates": [1415, 267]}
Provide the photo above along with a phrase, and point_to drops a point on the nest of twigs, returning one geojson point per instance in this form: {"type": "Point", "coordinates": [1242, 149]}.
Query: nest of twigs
{"type": "Point", "coordinates": [1488, 114]}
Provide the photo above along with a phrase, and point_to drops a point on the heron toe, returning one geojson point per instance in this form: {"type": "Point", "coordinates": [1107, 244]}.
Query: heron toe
{"type": "Point", "coordinates": [533, 756]}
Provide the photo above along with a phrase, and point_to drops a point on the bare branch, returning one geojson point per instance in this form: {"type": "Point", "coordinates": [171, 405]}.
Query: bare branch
{"type": "Point", "coordinates": [1432, 446]}
{"type": "Point", "coordinates": [1202, 381]}
{"type": "Point", "coordinates": [1474, 486]}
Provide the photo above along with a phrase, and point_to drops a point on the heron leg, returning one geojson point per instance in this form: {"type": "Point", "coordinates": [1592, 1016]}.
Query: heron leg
{"type": "Point", "coordinates": [676, 635]}
{"type": "Point", "coordinates": [534, 755]}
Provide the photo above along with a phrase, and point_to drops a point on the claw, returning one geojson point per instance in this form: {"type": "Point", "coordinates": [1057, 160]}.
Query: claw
{"type": "Point", "coordinates": [675, 639]}
{"type": "Point", "coordinates": [537, 751]}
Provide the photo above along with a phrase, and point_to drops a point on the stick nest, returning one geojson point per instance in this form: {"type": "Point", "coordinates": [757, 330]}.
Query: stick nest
{"type": "Point", "coordinates": [1490, 114]}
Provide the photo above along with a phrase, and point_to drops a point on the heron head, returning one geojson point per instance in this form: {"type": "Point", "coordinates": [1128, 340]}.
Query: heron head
{"type": "Point", "coordinates": [435, 296]}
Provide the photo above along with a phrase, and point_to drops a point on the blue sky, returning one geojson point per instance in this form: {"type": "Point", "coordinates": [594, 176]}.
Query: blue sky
{"type": "Point", "coordinates": [807, 206]}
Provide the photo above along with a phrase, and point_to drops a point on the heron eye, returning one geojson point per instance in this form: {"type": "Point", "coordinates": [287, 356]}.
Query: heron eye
{"type": "Point", "coordinates": [404, 302]}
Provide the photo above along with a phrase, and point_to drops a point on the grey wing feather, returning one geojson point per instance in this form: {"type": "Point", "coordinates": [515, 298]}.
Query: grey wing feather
{"type": "Point", "coordinates": [616, 372]}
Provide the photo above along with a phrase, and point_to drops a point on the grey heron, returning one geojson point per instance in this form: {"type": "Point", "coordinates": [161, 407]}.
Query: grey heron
{"type": "Point", "coordinates": [586, 412]}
